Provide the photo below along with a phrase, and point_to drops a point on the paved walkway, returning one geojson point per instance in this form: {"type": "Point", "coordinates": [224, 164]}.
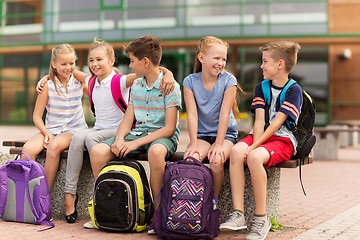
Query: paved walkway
{"type": "Point", "coordinates": [331, 209]}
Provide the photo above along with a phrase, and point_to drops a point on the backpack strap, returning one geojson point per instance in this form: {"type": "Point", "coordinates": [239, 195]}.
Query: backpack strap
{"type": "Point", "coordinates": [117, 94]}
{"type": "Point", "coordinates": [91, 85]}
{"type": "Point", "coordinates": [289, 123]}
{"type": "Point", "coordinates": [266, 93]}
{"type": "Point", "coordinates": [37, 219]}
{"type": "Point", "coordinates": [22, 153]}
{"type": "Point", "coordinates": [265, 89]}
{"type": "Point", "coordinates": [3, 189]}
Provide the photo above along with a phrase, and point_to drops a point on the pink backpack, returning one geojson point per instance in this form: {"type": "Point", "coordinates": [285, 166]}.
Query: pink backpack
{"type": "Point", "coordinates": [115, 90]}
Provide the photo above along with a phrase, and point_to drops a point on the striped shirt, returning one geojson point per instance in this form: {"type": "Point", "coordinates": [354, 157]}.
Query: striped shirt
{"type": "Point", "coordinates": [64, 110]}
{"type": "Point", "coordinates": [149, 105]}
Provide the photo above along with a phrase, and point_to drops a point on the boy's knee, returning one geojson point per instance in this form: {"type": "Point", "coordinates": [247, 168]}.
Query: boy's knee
{"type": "Point", "coordinates": [157, 151]}
{"type": "Point", "coordinates": [99, 150]}
{"type": "Point", "coordinates": [255, 159]}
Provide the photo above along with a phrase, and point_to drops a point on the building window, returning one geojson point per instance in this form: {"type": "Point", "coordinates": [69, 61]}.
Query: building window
{"type": "Point", "coordinates": [21, 18]}
{"type": "Point", "coordinates": [14, 8]}
{"type": "Point", "coordinates": [111, 3]}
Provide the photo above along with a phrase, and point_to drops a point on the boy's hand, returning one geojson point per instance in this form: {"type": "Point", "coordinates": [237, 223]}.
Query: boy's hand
{"type": "Point", "coordinates": [194, 151]}
{"type": "Point", "coordinates": [40, 84]}
{"type": "Point", "coordinates": [115, 147]}
{"type": "Point", "coordinates": [248, 150]}
{"type": "Point", "coordinates": [216, 153]}
{"type": "Point", "coordinates": [124, 148]}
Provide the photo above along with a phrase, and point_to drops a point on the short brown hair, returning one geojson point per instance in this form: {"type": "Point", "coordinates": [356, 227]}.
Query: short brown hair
{"type": "Point", "coordinates": [145, 46]}
{"type": "Point", "coordinates": [285, 50]}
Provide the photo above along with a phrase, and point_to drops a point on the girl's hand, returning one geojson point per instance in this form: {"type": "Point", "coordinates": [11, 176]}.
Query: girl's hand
{"type": "Point", "coordinates": [41, 83]}
{"type": "Point", "coordinates": [166, 86]}
{"type": "Point", "coordinates": [216, 153]}
{"type": "Point", "coordinates": [193, 150]}
{"type": "Point", "coordinates": [48, 138]}
{"type": "Point", "coordinates": [168, 82]}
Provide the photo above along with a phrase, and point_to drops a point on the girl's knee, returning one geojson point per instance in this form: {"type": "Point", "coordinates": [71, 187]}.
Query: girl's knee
{"type": "Point", "coordinates": [53, 147]}
{"type": "Point", "coordinates": [237, 154]}
{"type": "Point", "coordinates": [217, 168]}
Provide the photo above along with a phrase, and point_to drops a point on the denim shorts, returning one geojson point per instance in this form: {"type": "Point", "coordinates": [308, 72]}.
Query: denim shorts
{"type": "Point", "coordinates": [211, 140]}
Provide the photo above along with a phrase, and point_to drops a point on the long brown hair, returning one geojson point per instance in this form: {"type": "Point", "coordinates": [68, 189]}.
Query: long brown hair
{"type": "Point", "coordinates": [203, 45]}
{"type": "Point", "coordinates": [55, 52]}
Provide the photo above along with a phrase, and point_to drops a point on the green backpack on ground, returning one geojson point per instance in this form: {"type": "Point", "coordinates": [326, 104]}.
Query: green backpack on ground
{"type": "Point", "coordinates": [122, 200]}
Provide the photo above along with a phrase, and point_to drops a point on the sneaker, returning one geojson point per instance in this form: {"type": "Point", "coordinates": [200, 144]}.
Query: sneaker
{"type": "Point", "coordinates": [89, 225]}
{"type": "Point", "coordinates": [236, 221]}
{"type": "Point", "coordinates": [259, 228]}
{"type": "Point", "coordinates": [151, 230]}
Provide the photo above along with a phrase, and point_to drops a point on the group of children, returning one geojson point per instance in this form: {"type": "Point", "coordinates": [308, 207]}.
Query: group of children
{"type": "Point", "coordinates": [147, 118]}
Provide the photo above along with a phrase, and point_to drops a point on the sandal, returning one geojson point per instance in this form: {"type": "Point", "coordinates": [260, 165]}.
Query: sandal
{"type": "Point", "coordinates": [71, 218]}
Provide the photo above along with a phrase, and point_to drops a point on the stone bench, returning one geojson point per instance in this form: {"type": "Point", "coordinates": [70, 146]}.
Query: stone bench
{"type": "Point", "coordinates": [329, 139]}
{"type": "Point", "coordinates": [86, 183]}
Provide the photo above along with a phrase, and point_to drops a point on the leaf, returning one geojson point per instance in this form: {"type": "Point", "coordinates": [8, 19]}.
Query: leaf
{"type": "Point", "coordinates": [274, 225]}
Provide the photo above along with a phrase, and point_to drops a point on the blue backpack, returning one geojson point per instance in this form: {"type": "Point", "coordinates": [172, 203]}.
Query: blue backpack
{"type": "Point", "coordinates": [24, 192]}
{"type": "Point", "coordinates": [303, 130]}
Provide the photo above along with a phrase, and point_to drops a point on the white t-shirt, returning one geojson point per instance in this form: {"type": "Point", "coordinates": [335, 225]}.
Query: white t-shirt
{"type": "Point", "coordinates": [108, 114]}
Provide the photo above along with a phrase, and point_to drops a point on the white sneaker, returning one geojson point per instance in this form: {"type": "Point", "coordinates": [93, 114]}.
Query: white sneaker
{"type": "Point", "coordinates": [260, 227]}
{"type": "Point", "coordinates": [151, 230]}
{"type": "Point", "coordinates": [235, 221]}
{"type": "Point", "coordinates": [89, 225]}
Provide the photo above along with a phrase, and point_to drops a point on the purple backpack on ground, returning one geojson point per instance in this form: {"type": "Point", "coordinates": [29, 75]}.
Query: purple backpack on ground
{"type": "Point", "coordinates": [24, 192]}
{"type": "Point", "coordinates": [188, 206]}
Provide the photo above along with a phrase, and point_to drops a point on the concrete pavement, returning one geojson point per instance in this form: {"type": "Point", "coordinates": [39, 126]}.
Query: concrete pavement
{"type": "Point", "coordinates": [329, 211]}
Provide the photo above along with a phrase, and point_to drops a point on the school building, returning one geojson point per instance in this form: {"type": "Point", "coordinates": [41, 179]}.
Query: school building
{"type": "Point", "coordinates": [327, 30]}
